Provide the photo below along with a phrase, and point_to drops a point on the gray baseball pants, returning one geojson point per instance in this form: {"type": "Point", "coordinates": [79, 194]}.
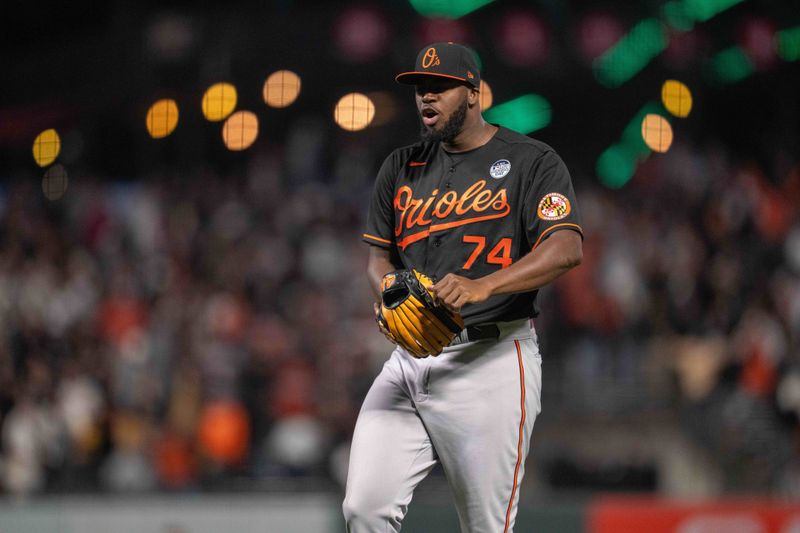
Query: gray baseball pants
{"type": "Point", "coordinates": [472, 408]}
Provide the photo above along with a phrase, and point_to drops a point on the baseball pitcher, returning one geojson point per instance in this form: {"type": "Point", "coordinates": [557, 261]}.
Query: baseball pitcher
{"type": "Point", "coordinates": [464, 227]}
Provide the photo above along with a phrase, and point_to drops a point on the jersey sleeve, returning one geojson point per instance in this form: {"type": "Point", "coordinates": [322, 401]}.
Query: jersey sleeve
{"type": "Point", "coordinates": [550, 203]}
{"type": "Point", "coordinates": [379, 230]}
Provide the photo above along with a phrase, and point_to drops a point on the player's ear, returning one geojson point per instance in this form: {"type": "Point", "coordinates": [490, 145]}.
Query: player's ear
{"type": "Point", "coordinates": [473, 97]}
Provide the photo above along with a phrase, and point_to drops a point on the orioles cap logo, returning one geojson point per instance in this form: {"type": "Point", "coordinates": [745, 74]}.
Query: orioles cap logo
{"type": "Point", "coordinates": [430, 59]}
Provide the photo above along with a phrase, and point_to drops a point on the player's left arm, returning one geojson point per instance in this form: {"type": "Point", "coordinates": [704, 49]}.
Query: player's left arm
{"type": "Point", "coordinates": [551, 220]}
{"type": "Point", "coordinates": [559, 253]}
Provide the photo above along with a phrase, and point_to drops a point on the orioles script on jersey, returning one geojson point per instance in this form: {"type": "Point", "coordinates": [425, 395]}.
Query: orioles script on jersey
{"type": "Point", "coordinates": [470, 207]}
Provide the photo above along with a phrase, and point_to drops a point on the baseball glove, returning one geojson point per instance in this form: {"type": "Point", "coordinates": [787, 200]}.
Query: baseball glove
{"type": "Point", "coordinates": [409, 316]}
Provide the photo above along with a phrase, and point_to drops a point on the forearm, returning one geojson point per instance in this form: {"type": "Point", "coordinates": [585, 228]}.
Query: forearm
{"type": "Point", "coordinates": [551, 259]}
{"type": "Point", "coordinates": [556, 255]}
{"type": "Point", "coordinates": [379, 265]}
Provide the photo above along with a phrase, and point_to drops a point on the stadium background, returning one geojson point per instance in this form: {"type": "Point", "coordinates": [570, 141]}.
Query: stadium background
{"type": "Point", "coordinates": [186, 330]}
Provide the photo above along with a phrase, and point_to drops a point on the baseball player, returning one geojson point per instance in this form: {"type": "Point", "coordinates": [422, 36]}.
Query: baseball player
{"type": "Point", "coordinates": [491, 215]}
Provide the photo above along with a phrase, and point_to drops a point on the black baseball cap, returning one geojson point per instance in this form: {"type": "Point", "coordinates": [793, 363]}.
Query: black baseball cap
{"type": "Point", "coordinates": [445, 60]}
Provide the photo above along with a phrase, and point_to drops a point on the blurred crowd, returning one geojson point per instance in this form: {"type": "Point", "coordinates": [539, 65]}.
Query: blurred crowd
{"type": "Point", "coordinates": [685, 316]}
{"type": "Point", "coordinates": [184, 331]}
{"type": "Point", "coordinates": [213, 329]}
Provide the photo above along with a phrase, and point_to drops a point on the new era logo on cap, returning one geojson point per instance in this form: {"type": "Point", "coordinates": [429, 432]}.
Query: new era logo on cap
{"type": "Point", "coordinates": [446, 60]}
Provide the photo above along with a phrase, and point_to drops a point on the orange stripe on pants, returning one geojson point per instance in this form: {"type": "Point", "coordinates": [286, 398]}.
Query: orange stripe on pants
{"type": "Point", "coordinates": [521, 426]}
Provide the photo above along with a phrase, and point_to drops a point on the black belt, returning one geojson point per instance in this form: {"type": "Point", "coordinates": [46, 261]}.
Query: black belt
{"type": "Point", "coordinates": [477, 333]}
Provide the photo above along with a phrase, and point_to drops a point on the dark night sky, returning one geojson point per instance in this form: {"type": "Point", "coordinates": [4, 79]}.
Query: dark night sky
{"type": "Point", "coordinates": [85, 65]}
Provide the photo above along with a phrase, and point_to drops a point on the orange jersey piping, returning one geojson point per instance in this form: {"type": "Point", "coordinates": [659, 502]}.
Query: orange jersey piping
{"type": "Point", "coordinates": [374, 238]}
{"type": "Point", "coordinates": [551, 228]}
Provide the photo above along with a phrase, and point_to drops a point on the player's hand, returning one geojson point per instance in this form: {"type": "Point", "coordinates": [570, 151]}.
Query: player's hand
{"type": "Point", "coordinates": [455, 291]}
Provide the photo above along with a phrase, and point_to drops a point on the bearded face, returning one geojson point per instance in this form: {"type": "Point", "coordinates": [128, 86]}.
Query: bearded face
{"type": "Point", "coordinates": [442, 106]}
{"type": "Point", "coordinates": [449, 130]}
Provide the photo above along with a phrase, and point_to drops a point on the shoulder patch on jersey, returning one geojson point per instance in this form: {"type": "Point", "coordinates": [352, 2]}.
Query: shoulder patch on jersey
{"type": "Point", "coordinates": [553, 206]}
{"type": "Point", "coordinates": [500, 168]}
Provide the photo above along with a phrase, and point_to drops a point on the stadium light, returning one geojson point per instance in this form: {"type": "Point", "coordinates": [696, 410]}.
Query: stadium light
{"type": "Point", "coordinates": [46, 147]}
{"type": "Point", "coordinates": [676, 98]}
{"type": "Point", "coordinates": [675, 15]}
{"type": "Point", "coordinates": [631, 54]}
{"type": "Point", "coordinates": [240, 130]}
{"type": "Point", "coordinates": [617, 164]}
{"type": "Point", "coordinates": [703, 10]}
{"type": "Point", "coordinates": [219, 101]}
{"type": "Point", "coordinates": [682, 15]}
{"type": "Point", "coordinates": [354, 111]}
{"type": "Point", "coordinates": [281, 88]}
{"type": "Point", "coordinates": [632, 134]}
{"type": "Point", "coordinates": [447, 8]}
{"type": "Point", "coordinates": [524, 114]}
{"type": "Point", "coordinates": [649, 38]}
{"type": "Point", "coordinates": [731, 65]}
{"type": "Point", "coordinates": [162, 118]}
{"type": "Point", "coordinates": [656, 132]}
{"type": "Point", "coordinates": [787, 44]}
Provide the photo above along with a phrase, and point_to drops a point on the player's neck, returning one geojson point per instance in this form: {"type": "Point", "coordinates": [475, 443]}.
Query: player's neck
{"type": "Point", "coordinates": [472, 135]}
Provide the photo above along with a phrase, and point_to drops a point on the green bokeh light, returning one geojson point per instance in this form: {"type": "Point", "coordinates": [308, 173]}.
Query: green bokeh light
{"type": "Point", "coordinates": [447, 8]}
{"type": "Point", "coordinates": [649, 38]}
{"type": "Point", "coordinates": [731, 65]}
{"type": "Point", "coordinates": [674, 13]}
{"type": "Point", "coordinates": [615, 166]}
{"type": "Point", "coordinates": [787, 44]}
{"type": "Point", "coordinates": [702, 10]}
{"type": "Point", "coordinates": [524, 114]}
{"type": "Point", "coordinates": [681, 15]}
{"type": "Point", "coordinates": [631, 53]}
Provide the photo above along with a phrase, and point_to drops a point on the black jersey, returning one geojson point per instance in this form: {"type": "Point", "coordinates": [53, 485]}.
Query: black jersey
{"type": "Point", "coordinates": [472, 213]}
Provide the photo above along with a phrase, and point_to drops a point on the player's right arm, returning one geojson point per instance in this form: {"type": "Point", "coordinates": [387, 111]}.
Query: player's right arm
{"type": "Point", "coordinates": [552, 258]}
{"type": "Point", "coordinates": [379, 231]}
{"type": "Point", "coordinates": [553, 252]}
{"type": "Point", "coordinates": [379, 265]}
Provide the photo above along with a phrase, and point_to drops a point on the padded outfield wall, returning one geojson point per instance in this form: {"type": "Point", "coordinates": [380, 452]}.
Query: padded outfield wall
{"type": "Point", "coordinates": [319, 513]}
